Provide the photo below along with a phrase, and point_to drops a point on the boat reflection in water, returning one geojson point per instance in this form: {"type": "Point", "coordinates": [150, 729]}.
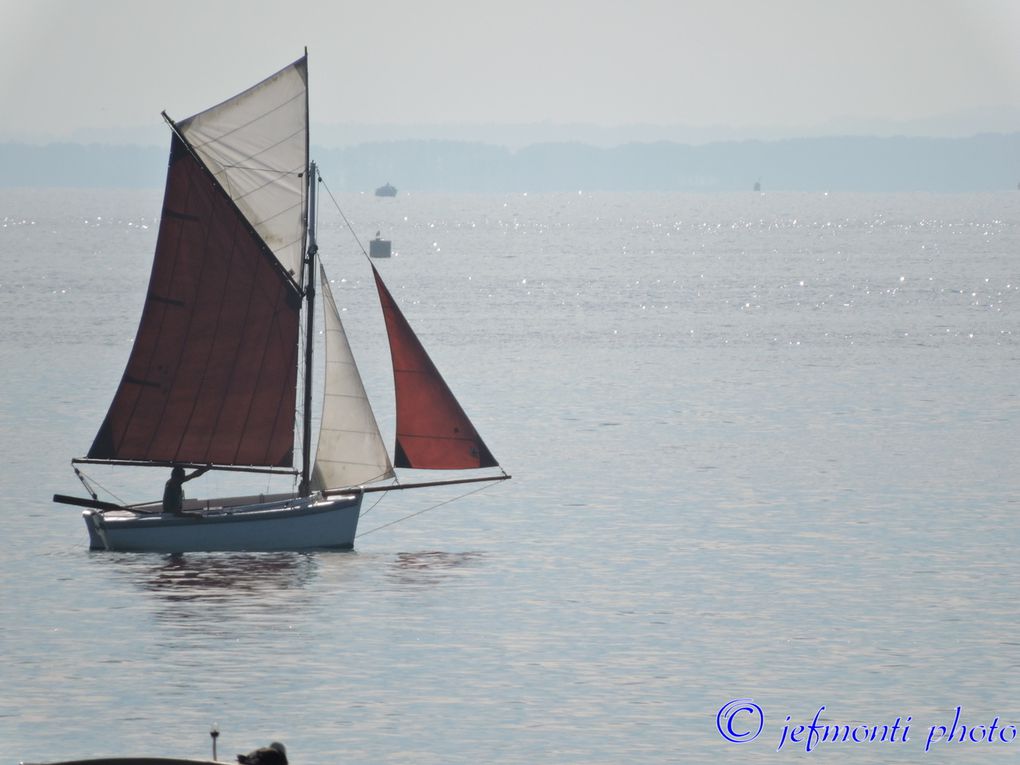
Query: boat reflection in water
{"type": "Point", "coordinates": [430, 567]}
{"type": "Point", "coordinates": [217, 590]}
{"type": "Point", "coordinates": [230, 575]}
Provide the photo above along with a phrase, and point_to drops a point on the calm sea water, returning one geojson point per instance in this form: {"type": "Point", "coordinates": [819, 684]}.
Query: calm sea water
{"type": "Point", "coordinates": [764, 447]}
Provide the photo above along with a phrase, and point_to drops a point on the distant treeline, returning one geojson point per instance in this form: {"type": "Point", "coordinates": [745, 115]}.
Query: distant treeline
{"type": "Point", "coordinates": [981, 163]}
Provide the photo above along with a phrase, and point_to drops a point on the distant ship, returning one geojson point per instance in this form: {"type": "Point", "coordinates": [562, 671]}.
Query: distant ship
{"type": "Point", "coordinates": [386, 191]}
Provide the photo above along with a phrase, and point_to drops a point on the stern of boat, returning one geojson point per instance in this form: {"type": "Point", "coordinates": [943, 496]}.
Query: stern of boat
{"type": "Point", "coordinates": [96, 539]}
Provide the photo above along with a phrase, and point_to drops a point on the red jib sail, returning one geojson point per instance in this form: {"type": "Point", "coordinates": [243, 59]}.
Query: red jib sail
{"type": "Point", "coordinates": [213, 371]}
{"type": "Point", "coordinates": [432, 430]}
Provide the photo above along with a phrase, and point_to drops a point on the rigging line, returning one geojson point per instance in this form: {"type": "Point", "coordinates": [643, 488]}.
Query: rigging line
{"type": "Point", "coordinates": [374, 505]}
{"type": "Point", "coordinates": [337, 206]}
{"type": "Point", "coordinates": [483, 487]}
{"type": "Point", "coordinates": [87, 479]}
{"type": "Point", "coordinates": [84, 482]}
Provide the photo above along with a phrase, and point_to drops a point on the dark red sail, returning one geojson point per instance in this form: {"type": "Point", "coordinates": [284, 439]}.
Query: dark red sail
{"type": "Point", "coordinates": [432, 430]}
{"type": "Point", "coordinates": [213, 370]}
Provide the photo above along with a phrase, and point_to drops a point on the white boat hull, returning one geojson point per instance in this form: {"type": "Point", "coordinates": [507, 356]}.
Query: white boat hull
{"type": "Point", "coordinates": [290, 524]}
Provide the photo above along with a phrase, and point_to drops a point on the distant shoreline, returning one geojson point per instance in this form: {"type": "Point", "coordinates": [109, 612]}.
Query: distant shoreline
{"type": "Point", "coordinates": [988, 162]}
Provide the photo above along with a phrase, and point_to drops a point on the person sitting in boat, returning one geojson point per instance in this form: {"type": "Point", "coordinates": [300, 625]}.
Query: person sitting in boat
{"type": "Point", "coordinates": [173, 492]}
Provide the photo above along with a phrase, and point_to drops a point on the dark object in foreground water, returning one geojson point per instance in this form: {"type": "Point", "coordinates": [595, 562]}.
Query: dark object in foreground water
{"type": "Point", "coordinates": [274, 754]}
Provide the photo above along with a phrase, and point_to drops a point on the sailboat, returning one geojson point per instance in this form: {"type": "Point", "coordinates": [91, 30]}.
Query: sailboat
{"type": "Point", "coordinates": [212, 378]}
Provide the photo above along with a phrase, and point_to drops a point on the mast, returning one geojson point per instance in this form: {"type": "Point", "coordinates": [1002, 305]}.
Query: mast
{"type": "Point", "coordinates": [306, 448]}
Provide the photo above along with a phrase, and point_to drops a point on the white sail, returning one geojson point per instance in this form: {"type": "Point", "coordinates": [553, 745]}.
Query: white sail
{"type": "Point", "coordinates": [351, 449]}
{"type": "Point", "coordinates": [256, 145]}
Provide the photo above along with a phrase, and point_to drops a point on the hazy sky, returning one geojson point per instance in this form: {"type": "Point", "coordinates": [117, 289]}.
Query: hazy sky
{"type": "Point", "coordinates": [71, 65]}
